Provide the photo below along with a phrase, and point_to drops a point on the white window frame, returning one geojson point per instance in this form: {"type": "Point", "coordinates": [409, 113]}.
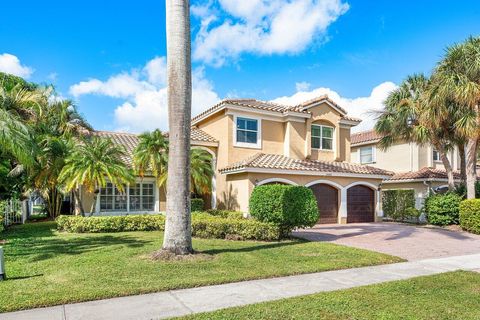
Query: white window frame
{"type": "Point", "coordinates": [156, 199]}
{"type": "Point", "coordinates": [374, 154]}
{"type": "Point", "coordinates": [433, 157]}
{"type": "Point", "coordinates": [321, 137]}
{"type": "Point", "coordinates": [258, 144]}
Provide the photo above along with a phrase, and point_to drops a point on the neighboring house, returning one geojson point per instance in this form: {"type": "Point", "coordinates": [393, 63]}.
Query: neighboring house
{"type": "Point", "coordinates": [416, 167]}
{"type": "Point", "coordinates": [256, 142]}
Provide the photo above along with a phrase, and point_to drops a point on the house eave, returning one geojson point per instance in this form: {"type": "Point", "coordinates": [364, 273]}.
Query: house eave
{"type": "Point", "coordinates": [304, 172]}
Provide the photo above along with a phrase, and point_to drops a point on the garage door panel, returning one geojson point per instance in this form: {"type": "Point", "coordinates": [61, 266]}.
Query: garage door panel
{"type": "Point", "coordinates": [327, 202]}
{"type": "Point", "coordinates": [360, 204]}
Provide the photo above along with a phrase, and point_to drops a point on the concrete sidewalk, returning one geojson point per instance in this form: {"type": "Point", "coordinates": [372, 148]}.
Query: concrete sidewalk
{"type": "Point", "coordinates": [187, 301]}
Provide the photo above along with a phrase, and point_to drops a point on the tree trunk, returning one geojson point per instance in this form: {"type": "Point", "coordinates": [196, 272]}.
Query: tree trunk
{"type": "Point", "coordinates": [463, 163]}
{"type": "Point", "coordinates": [178, 233]}
{"type": "Point", "coordinates": [471, 159]}
{"type": "Point", "coordinates": [447, 166]}
{"type": "Point", "coordinates": [94, 203]}
{"type": "Point", "coordinates": [80, 204]}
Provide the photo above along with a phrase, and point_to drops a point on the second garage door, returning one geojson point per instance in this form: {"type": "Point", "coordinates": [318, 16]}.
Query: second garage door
{"type": "Point", "coordinates": [360, 204]}
{"type": "Point", "coordinates": [327, 201]}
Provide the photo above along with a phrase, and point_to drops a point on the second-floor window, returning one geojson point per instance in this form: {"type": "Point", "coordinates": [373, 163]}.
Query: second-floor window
{"type": "Point", "coordinates": [247, 131]}
{"type": "Point", "coordinates": [367, 155]}
{"type": "Point", "coordinates": [436, 155]}
{"type": "Point", "coordinates": [322, 137]}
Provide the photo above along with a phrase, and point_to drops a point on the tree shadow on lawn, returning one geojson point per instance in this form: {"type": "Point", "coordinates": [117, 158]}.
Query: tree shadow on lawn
{"type": "Point", "coordinates": [265, 246]}
{"type": "Point", "coordinates": [46, 249]}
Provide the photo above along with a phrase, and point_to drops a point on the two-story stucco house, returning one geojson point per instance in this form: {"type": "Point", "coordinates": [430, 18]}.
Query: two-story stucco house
{"type": "Point", "coordinates": [256, 142]}
{"type": "Point", "coordinates": [416, 167]}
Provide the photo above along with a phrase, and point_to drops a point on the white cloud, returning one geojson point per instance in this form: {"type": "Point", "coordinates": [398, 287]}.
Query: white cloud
{"type": "Point", "coordinates": [360, 107]}
{"type": "Point", "coordinates": [145, 95]}
{"type": "Point", "coordinates": [11, 64]}
{"type": "Point", "coordinates": [261, 27]}
{"type": "Point", "coordinates": [302, 86]}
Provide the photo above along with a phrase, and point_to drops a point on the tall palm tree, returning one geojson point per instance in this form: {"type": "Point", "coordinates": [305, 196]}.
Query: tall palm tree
{"type": "Point", "coordinates": [16, 107]}
{"type": "Point", "coordinates": [178, 233]}
{"type": "Point", "coordinates": [151, 154]}
{"type": "Point", "coordinates": [458, 78]}
{"type": "Point", "coordinates": [201, 171]}
{"type": "Point", "coordinates": [94, 162]}
{"type": "Point", "coordinates": [408, 116]}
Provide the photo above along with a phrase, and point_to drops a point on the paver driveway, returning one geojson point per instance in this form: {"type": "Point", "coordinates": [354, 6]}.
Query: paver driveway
{"type": "Point", "coordinates": [405, 241]}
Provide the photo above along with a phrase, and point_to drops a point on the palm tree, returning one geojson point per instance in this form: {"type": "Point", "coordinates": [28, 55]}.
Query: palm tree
{"type": "Point", "coordinates": [94, 162]}
{"type": "Point", "coordinates": [458, 78]}
{"type": "Point", "coordinates": [178, 233]}
{"type": "Point", "coordinates": [410, 116]}
{"type": "Point", "coordinates": [151, 154]}
{"type": "Point", "coordinates": [16, 102]}
{"type": "Point", "coordinates": [201, 171]}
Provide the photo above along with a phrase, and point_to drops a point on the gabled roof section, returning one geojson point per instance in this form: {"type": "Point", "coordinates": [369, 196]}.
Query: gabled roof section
{"type": "Point", "coordinates": [282, 110]}
{"type": "Point", "coordinates": [365, 137]}
{"type": "Point", "coordinates": [424, 174]}
{"type": "Point", "coordinates": [130, 140]}
{"type": "Point", "coordinates": [268, 162]}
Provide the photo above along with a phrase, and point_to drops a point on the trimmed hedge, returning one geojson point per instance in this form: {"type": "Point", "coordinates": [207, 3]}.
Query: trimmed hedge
{"type": "Point", "coordinates": [397, 204]}
{"type": "Point", "coordinates": [197, 204]}
{"type": "Point", "coordinates": [288, 206]}
{"type": "Point", "coordinates": [225, 213]}
{"type": "Point", "coordinates": [204, 225]}
{"type": "Point", "coordinates": [442, 209]}
{"type": "Point", "coordinates": [470, 215]}
{"type": "Point", "coordinates": [3, 205]}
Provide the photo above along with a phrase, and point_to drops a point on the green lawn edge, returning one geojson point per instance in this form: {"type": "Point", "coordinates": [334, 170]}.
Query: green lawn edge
{"type": "Point", "coordinates": [47, 268]}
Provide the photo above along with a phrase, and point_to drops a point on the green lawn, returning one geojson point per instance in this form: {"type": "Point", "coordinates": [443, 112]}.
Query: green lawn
{"type": "Point", "coordinates": [451, 296]}
{"type": "Point", "coordinates": [46, 267]}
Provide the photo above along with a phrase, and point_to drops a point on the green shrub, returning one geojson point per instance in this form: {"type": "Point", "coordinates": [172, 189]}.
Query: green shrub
{"type": "Point", "coordinates": [442, 209]}
{"type": "Point", "coordinates": [470, 215]}
{"type": "Point", "coordinates": [397, 202]}
{"type": "Point", "coordinates": [204, 225]}
{"type": "Point", "coordinates": [2, 226]}
{"type": "Point", "coordinates": [225, 213]}
{"type": "Point", "coordinates": [197, 204]}
{"type": "Point", "coordinates": [288, 206]}
{"type": "Point", "coordinates": [38, 217]}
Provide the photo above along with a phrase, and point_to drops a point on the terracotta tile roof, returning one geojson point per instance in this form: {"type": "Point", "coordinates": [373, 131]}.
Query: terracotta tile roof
{"type": "Point", "coordinates": [425, 173]}
{"type": "Point", "coordinates": [275, 161]}
{"type": "Point", "coordinates": [130, 140]}
{"type": "Point", "coordinates": [271, 106]}
{"type": "Point", "coordinates": [365, 136]}
{"type": "Point", "coordinates": [310, 102]}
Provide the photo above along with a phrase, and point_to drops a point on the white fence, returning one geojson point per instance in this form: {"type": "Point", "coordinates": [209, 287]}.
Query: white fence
{"type": "Point", "coordinates": [14, 212]}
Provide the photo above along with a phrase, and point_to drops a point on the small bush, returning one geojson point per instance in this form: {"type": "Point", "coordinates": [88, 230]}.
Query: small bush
{"type": "Point", "coordinates": [396, 204]}
{"type": "Point", "coordinates": [225, 213]}
{"type": "Point", "coordinates": [442, 209]}
{"type": "Point", "coordinates": [197, 204]}
{"type": "Point", "coordinates": [204, 225]}
{"type": "Point", "coordinates": [288, 206]}
{"type": "Point", "coordinates": [470, 215]}
{"type": "Point", "coordinates": [2, 226]}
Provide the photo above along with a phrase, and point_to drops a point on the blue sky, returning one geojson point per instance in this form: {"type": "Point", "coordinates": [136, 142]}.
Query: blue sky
{"type": "Point", "coordinates": [109, 58]}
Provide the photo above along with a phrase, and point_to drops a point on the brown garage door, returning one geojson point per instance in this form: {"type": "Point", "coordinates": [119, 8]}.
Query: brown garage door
{"type": "Point", "coordinates": [360, 204]}
{"type": "Point", "coordinates": [327, 201]}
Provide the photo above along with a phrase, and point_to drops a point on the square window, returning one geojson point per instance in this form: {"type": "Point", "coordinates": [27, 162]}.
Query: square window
{"type": "Point", "coordinates": [322, 137]}
{"type": "Point", "coordinates": [366, 155]}
{"type": "Point", "coordinates": [327, 132]}
{"type": "Point", "coordinates": [247, 131]}
{"type": "Point", "coordinates": [327, 144]}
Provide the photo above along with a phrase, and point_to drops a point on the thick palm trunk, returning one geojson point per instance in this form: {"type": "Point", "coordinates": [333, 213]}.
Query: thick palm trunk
{"type": "Point", "coordinates": [80, 204]}
{"type": "Point", "coordinates": [94, 203]}
{"type": "Point", "coordinates": [463, 163]}
{"type": "Point", "coordinates": [471, 157]}
{"type": "Point", "coordinates": [178, 235]}
{"type": "Point", "coordinates": [448, 168]}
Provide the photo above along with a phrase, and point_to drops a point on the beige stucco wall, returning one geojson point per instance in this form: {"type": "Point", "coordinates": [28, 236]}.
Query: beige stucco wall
{"type": "Point", "coordinates": [397, 158]}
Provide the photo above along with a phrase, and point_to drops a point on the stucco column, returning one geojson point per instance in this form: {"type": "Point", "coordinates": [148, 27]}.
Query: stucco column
{"type": "Point", "coordinates": [308, 139]}
{"type": "Point", "coordinates": [378, 205]}
{"type": "Point", "coordinates": [342, 210]}
{"type": "Point", "coordinates": [337, 142]}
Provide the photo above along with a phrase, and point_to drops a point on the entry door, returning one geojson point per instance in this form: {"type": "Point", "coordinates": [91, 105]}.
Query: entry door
{"type": "Point", "coordinates": [360, 204]}
{"type": "Point", "coordinates": [327, 202]}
